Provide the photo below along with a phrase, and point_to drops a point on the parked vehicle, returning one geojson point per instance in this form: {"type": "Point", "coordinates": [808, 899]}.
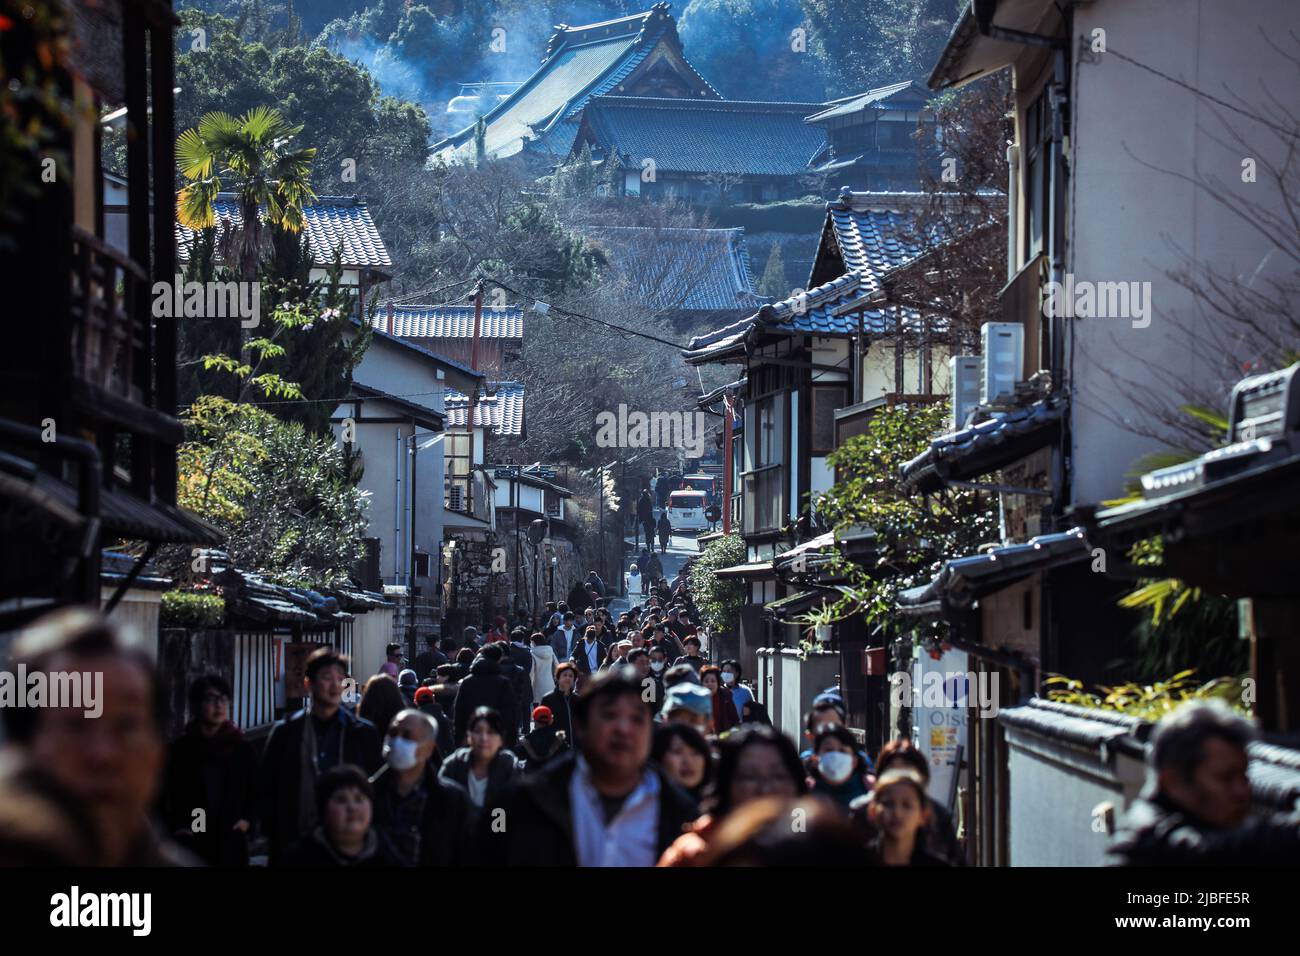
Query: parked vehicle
{"type": "Point", "coordinates": [686, 510]}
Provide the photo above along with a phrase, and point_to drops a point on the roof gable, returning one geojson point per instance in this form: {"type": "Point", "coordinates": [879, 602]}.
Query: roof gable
{"type": "Point", "coordinates": [501, 409]}
{"type": "Point", "coordinates": [580, 62]}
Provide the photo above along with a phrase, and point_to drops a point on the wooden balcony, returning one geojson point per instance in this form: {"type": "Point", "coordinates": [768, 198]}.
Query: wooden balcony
{"type": "Point", "coordinates": [764, 494]}
{"type": "Point", "coordinates": [112, 342]}
{"type": "Point", "coordinates": [1022, 303]}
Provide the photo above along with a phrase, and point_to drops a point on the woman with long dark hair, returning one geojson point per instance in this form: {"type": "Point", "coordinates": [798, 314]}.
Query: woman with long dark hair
{"type": "Point", "coordinates": [754, 761]}
{"type": "Point", "coordinates": [685, 756]}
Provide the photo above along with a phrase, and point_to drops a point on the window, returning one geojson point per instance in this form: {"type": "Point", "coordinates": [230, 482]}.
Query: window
{"type": "Point", "coordinates": [1038, 172]}
{"type": "Point", "coordinates": [456, 458]}
{"type": "Point", "coordinates": [825, 400]}
{"type": "Point", "coordinates": [421, 564]}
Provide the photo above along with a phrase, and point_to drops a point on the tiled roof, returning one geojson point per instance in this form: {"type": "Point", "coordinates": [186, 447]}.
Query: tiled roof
{"type": "Point", "coordinates": [580, 62]}
{"type": "Point", "coordinates": [329, 222]}
{"type": "Point", "coordinates": [870, 232]}
{"type": "Point", "coordinates": [985, 447]}
{"type": "Point", "coordinates": [451, 322]}
{"type": "Point", "coordinates": [964, 580]}
{"type": "Point", "coordinates": [502, 409]}
{"type": "Point", "coordinates": [706, 136]}
{"type": "Point", "coordinates": [878, 97]}
{"type": "Point", "coordinates": [682, 268]}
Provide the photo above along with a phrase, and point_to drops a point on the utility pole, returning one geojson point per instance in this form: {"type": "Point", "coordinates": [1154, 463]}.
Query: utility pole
{"type": "Point", "coordinates": [727, 465]}
{"type": "Point", "coordinates": [601, 479]}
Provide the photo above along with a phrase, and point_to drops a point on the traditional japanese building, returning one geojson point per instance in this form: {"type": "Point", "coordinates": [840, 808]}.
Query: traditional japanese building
{"type": "Point", "coordinates": [638, 55]}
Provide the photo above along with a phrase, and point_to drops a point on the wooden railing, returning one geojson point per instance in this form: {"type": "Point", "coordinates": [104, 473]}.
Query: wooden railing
{"type": "Point", "coordinates": [110, 312]}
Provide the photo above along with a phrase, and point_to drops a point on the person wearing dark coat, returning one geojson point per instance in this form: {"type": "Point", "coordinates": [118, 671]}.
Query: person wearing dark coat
{"type": "Point", "coordinates": [485, 687]}
{"type": "Point", "coordinates": [428, 661]}
{"type": "Point", "coordinates": [606, 804]}
{"type": "Point", "coordinates": [665, 533]}
{"type": "Point", "coordinates": [304, 745]}
{"type": "Point", "coordinates": [485, 768]}
{"type": "Point", "coordinates": [213, 768]}
{"type": "Point", "coordinates": [541, 745]}
{"type": "Point", "coordinates": [590, 654]}
{"type": "Point", "coordinates": [1196, 808]}
{"type": "Point", "coordinates": [345, 836]}
{"type": "Point", "coordinates": [426, 701]}
{"type": "Point", "coordinates": [521, 680]}
{"type": "Point", "coordinates": [645, 516]}
{"type": "Point", "coordinates": [561, 700]}
{"type": "Point", "coordinates": [426, 819]}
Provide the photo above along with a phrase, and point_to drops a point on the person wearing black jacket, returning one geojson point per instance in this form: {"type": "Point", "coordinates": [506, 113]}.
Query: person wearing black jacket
{"type": "Point", "coordinates": [425, 818]}
{"type": "Point", "coordinates": [485, 687]}
{"type": "Point", "coordinates": [561, 700]}
{"type": "Point", "coordinates": [1196, 809]}
{"type": "Point", "coordinates": [213, 768]}
{"type": "Point", "coordinates": [345, 836]}
{"type": "Point", "coordinates": [304, 745]}
{"type": "Point", "coordinates": [606, 804]}
{"type": "Point", "coordinates": [539, 746]}
{"type": "Point", "coordinates": [590, 655]}
{"type": "Point", "coordinates": [645, 516]}
{"type": "Point", "coordinates": [485, 768]}
{"type": "Point", "coordinates": [520, 654]}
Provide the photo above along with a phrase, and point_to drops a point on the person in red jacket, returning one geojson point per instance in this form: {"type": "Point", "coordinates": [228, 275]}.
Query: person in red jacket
{"type": "Point", "coordinates": [724, 708]}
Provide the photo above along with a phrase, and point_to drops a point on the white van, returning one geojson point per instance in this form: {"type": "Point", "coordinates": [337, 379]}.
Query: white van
{"type": "Point", "coordinates": [686, 510]}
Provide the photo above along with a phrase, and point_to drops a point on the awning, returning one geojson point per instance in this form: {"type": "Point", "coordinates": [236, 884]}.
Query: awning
{"type": "Point", "coordinates": [1236, 535]}
{"type": "Point", "coordinates": [756, 570]}
{"type": "Point", "coordinates": [783, 609]}
{"type": "Point", "coordinates": [963, 581]}
{"type": "Point", "coordinates": [986, 447]}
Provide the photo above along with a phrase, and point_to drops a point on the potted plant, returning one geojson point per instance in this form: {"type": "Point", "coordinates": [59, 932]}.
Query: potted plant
{"type": "Point", "coordinates": [820, 622]}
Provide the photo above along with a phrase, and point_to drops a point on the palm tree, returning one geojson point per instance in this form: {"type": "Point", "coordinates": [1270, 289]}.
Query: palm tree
{"type": "Point", "coordinates": [253, 156]}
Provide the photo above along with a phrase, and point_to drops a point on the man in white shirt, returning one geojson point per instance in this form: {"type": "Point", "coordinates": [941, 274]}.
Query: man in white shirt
{"type": "Point", "coordinates": [605, 806]}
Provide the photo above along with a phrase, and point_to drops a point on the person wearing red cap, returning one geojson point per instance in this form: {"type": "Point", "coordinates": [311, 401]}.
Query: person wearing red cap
{"type": "Point", "coordinates": [544, 742]}
{"type": "Point", "coordinates": [426, 701]}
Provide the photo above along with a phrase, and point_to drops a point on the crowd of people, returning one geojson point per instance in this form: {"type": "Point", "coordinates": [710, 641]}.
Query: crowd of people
{"type": "Point", "coordinates": [590, 742]}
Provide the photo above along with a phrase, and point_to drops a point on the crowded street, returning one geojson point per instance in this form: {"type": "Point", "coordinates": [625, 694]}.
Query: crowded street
{"type": "Point", "coordinates": [649, 436]}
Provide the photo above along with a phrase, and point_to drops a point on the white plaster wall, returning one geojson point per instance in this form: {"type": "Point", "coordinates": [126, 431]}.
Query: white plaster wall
{"type": "Point", "coordinates": [1127, 216]}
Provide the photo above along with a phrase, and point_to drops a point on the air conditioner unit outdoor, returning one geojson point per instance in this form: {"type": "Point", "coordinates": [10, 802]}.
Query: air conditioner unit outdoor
{"type": "Point", "coordinates": [1002, 360]}
{"type": "Point", "coordinates": [964, 372]}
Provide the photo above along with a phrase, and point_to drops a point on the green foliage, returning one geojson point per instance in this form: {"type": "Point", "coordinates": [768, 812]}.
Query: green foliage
{"type": "Point", "coordinates": [281, 495]}
{"type": "Point", "coordinates": [191, 609]}
{"type": "Point", "coordinates": [1151, 701]}
{"type": "Point", "coordinates": [718, 600]}
{"type": "Point", "coordinates": [864, 44]}
{"type": "Point", "coordinates": [251, 157]}
{"type": "Point", "coordinates": [724, 39]}
{"type": "Point", "coordinates": [917, 534]}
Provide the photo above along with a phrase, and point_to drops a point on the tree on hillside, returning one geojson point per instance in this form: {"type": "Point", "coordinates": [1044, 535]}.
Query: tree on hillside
{"type": "Point", "coordinates": [864, 44]}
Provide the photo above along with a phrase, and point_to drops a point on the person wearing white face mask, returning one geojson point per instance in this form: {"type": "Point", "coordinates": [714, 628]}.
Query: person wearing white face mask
{"type": "Point", "coordinates": [740, 694]}
{"type": "Point", "coordinates": [836, 771]}
{"type": "Point", "coordinates": [424, 818]}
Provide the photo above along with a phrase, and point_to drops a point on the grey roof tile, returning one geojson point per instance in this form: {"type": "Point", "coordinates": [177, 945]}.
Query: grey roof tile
{"type": "Point", "coordinates": [328, 222]}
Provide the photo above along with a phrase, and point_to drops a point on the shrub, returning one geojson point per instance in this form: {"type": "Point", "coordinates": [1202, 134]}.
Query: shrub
{"type": "Point", "coordinates": [190, 609]}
